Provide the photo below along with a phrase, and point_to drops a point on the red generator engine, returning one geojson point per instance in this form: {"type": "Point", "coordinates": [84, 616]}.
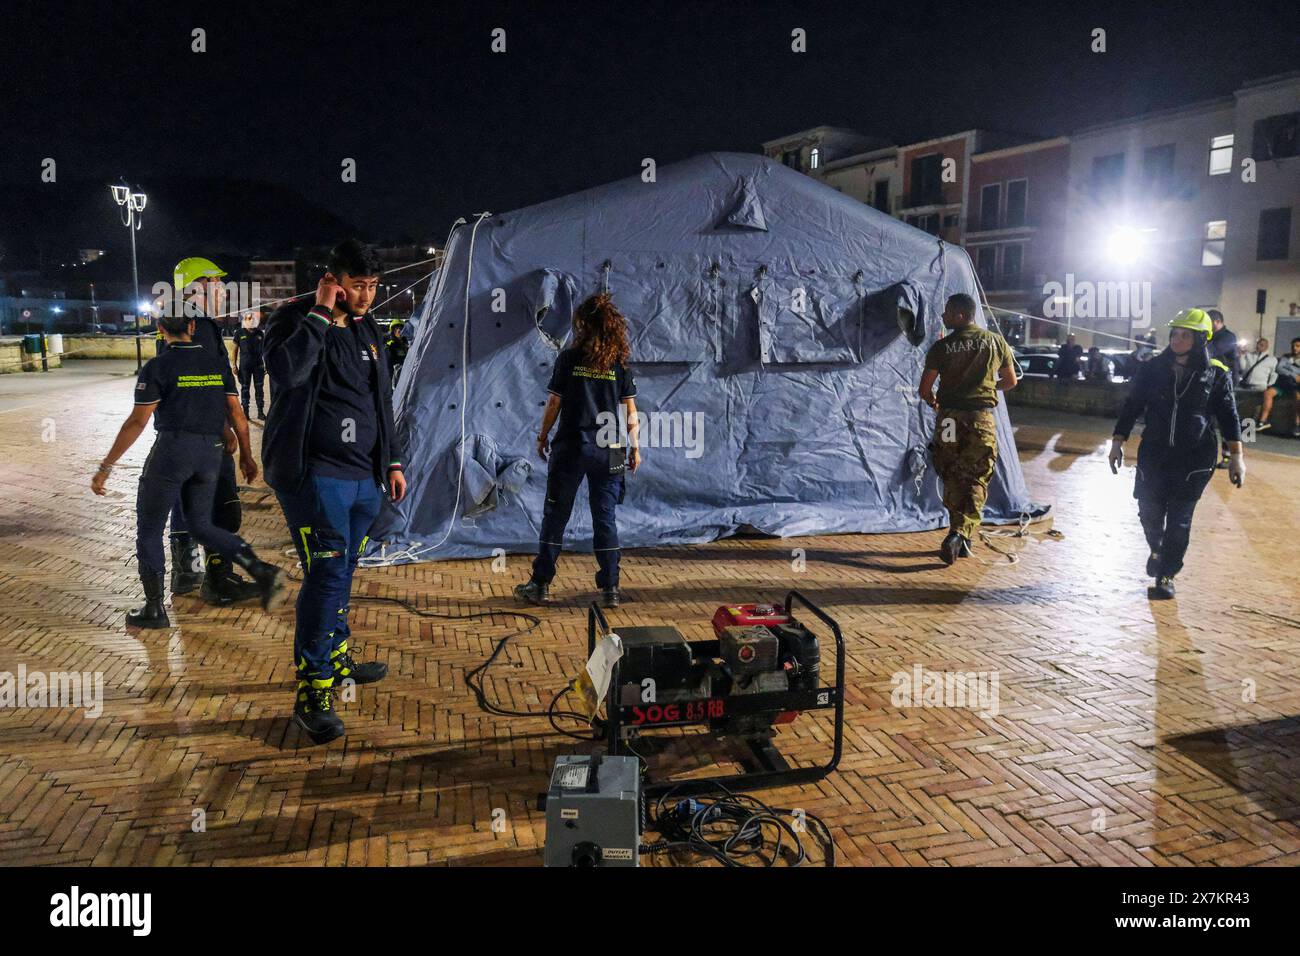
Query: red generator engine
{"type": "Point", "coordinates": [762, 670]}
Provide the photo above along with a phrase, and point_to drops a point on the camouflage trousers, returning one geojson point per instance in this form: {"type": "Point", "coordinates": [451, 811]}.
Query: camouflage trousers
{"type": "Point", "coordinates": [964, 449]}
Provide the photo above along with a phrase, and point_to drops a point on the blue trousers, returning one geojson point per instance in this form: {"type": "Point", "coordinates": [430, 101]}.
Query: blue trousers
{"type": "Point", "coordinates": [251, 375]}
{"type": "Point", "coordinates": [571, 461]}
{"type": "Point", "coordinates": [185, 469]}
{"type": "Point", "coordinates": [1167, 498]}
{"type": "Point", "coordinates": [330, 520]}
{"type": "Point", "coordinates": [225, 510]}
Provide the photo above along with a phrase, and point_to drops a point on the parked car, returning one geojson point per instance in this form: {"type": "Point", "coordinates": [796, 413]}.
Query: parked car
{"type": "Point", "coordinates": [1036, 364]}
{"type": "Point", "coordinates": [1122, 363]}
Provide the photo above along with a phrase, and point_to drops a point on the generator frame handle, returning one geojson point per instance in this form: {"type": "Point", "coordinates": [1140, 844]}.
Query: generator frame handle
{"type": "Point", "coordinates": [839, 671]}
{"type": "Point", "coordinates": [595, 616]}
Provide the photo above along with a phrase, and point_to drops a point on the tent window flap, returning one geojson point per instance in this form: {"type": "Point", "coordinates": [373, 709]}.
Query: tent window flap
{"type": "Point", "coordinates": [671, 309]}
{"type": "Point", "coordinates": [805, 321]}
{"type": "Point", "coordinates": [549, 295]}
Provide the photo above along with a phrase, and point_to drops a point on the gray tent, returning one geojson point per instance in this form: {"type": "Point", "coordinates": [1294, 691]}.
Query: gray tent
{"type": "Point", "coordinates": [778, 334]}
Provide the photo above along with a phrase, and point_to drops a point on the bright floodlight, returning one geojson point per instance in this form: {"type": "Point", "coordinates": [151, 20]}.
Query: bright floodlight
{"type": "Point", "coordinates": [1125, 245]}
{"type": "Point", "coordinates": [138, 201]}
{"type": "Point", "coordinates": [145, 307]}
{"type": "Point", "coordinates": [121, 194]}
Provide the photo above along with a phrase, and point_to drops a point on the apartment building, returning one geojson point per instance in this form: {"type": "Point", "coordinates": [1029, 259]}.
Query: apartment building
{"type": "Point", "coordinates": [276, 280]}
{"type": "Point", "coordinates": [1261, 251]}
{"type": "Point", "coordinates": [1016, 226]}
{"type": "Point", "coordinates": [1147, 219]}
{"type": "Point", "coordinates": [1110, 231]}
{"type": "Point", "coordinates": [936, 180]}
{"type": "Point", "coordinates": [810, 150]}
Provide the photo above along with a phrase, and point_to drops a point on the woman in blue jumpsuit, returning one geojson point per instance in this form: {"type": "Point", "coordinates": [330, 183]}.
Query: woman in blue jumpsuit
{"type": "Point", "coordinates": [1182, 395]}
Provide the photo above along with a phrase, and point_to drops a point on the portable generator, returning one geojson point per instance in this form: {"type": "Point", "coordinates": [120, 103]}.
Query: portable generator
{"type": "Point", "coordinates": [761, 670]}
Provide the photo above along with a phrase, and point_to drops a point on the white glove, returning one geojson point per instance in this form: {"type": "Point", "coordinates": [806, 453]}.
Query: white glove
{"type": "Point", "coordinates": [1116, 456]}
{"type": "Point", "coordinates": [1237, 468]}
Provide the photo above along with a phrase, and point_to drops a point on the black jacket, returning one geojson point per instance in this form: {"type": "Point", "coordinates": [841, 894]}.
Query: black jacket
{"type": "Point", "coordinates": [294, 346]}
{"type": "Point", "coordinates": [206, 333]}
{"type": "Point", "coordinates": [1223, 346]}
{"type": "Point", "coordinates": [1179, 434]}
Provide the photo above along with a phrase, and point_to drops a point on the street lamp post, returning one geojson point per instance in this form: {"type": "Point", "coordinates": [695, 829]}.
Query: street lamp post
{"type": "Point", "coordinates": [133, 203]}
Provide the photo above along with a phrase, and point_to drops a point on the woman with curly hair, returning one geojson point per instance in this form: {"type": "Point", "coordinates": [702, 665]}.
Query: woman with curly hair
{"type": "Point", "coordinates": [590, 381]}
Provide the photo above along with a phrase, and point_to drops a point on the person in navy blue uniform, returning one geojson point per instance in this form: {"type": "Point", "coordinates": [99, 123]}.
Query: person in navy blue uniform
{"type": "Point", "coordinates": [588, 385]}
{"type": "Point", "coordinates": [330, 452]}
{"type": "Point", "coordinates": [190, 395]}
{"type": "Point", "coordinates": [1187, 402]}
{"type": "Point", "coordinates": [199, 280]}
{"type": "Point", "coordinates": [248, 340]}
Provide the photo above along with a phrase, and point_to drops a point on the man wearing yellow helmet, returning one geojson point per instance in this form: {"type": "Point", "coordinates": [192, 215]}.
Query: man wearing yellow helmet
{"type": "Point", "coordinates": [198, 282]}
{"type": "Point", "coordinates": [1182, 394]}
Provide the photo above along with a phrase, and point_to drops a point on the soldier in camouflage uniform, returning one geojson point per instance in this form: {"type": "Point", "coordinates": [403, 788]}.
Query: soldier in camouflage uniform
{"type": "Point", "coordinates": [970, 364]}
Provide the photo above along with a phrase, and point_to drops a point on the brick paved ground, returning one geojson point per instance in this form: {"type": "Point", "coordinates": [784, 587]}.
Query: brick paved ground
{"type": "Point", "coordinates": [1126, 733]}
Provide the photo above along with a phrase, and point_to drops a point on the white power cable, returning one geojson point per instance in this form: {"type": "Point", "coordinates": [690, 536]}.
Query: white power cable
{"type": "Point", "coordinates": [303, 295]}
{"type": "Point", "coordinates": [1069, 325]}
{"type": "Point", "coordinates": [384, 559]}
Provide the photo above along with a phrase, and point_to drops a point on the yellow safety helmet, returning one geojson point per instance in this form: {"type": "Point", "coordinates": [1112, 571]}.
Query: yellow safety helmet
{"type": "Point", "coordinates": [195, 267]}
{"type": "Point", "coordinates": [1198, 320]}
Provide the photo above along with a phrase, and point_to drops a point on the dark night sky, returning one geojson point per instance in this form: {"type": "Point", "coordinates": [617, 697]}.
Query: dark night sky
{"type": "Point", "coordinates": [442, 127]}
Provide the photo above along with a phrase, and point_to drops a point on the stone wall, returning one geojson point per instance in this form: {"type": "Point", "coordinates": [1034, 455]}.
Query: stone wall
{"type": "Point", "coordinates": [1105, 399]}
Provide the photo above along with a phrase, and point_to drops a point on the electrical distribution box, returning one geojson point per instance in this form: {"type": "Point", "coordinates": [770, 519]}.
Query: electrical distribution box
{"type": "Point", "coordinates": [593, 811]}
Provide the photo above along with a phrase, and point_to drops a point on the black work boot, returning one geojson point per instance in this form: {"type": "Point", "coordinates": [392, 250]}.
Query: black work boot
{"type": "Point", "coordinates": [221, 586]}
{"type": "Point", "coordinates": [313, 711]}
{"type": "Point", "coordinates": [345, 668]}
{"type": "Point", "coordinates": [267, 578]}
{"type": "Point", "coordinates": [609, 597]}
{"type": "Point", "coordinates": [1163, 590]}
{"type": "Point", "coordinates": [532, 592]}
{"type": "Point", "coordinates": [963, 546]}
{"type": "Point", "coordinates": [950, 549]}
{"type": "Point", "coordinates": [153, 614]}
{"type": "Point", "coordinates": [187, 564]}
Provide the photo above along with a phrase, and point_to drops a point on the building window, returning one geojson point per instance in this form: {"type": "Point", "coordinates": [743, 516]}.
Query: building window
{"type": "Point", "coordinates": [791, 158]}
{"type": "Point", "coordinates": [1158, 170]}
{"type": "Point", "coordinates": [1017, 202]}
{"type": "Point", "coordinates": [1277, 137]}
{"type": "Point", "coordinates": [927, 188]}
{"type": "Point", "coordinates": [986, 265]}
{"type": "Point", "coordinates": [950, 221]}
{"type": "Point", "coordinates": [1011, 258]}
{"type": "Point", "coordinates": [882, 195]}
{"type": "Point", "coordinates": [814, 158]}
{"type": "Point", "coordinates": [1221, 155]}
{"type": "Point", "coordinates": [929, 222]}
{"type": "Point", "coordinates": [1216, 233]}
{"type": "Point", "coordinates": [990, 199]}
{"type": "Point", "coordinates": [1108, 177]}
{"type": "Point", "coordinates": [1274, 234]}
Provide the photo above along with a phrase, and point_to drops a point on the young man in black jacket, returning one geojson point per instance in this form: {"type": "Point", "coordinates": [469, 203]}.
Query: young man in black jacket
{"type": "Point", "coordinates": [330, 451]}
